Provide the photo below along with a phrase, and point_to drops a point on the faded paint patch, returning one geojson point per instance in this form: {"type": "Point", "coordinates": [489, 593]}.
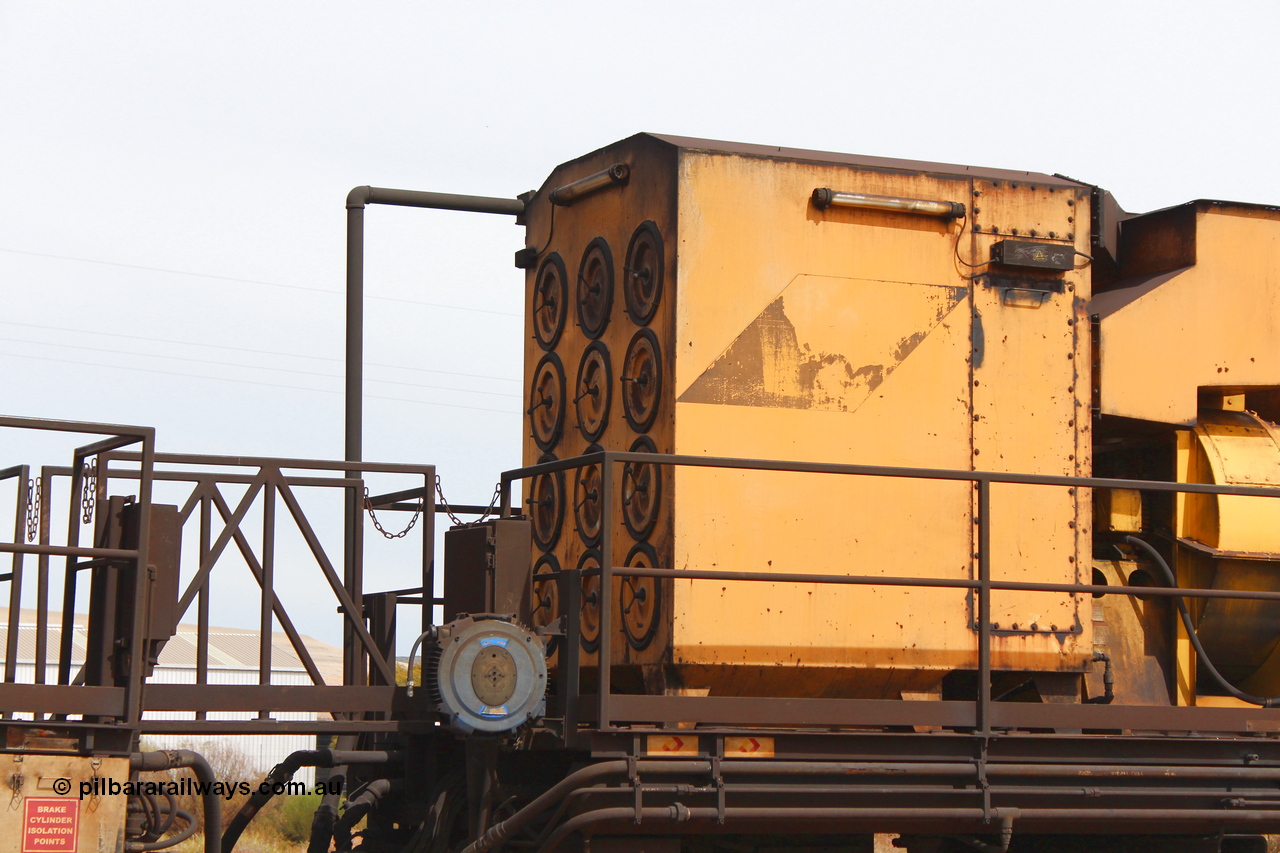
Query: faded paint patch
{"type": "Point", "coordinates": [772, 365]}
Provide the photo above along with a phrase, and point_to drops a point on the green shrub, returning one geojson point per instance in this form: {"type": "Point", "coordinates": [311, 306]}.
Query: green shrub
{"type": "Point", "coordinates": [290, 816]}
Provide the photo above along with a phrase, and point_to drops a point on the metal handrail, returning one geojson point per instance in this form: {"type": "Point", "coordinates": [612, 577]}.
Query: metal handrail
{"type": "Point", "coordinates": [205, 502]}
{"type": "Point", "coordinates": [983, 584]}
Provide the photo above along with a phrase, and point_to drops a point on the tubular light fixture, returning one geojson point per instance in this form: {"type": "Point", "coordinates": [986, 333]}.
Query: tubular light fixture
{"type": "Point", "coordinates": [824, 198]}
{"type": "Point", "coordinates": [571, 192]}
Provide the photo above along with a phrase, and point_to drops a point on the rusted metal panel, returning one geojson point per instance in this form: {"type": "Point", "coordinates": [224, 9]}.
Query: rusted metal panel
{"type": "Point", "coordinates": [867, 162]}
{"type": "Point", "coordinates": [1030, 415]}
{"type": "Point", "coordinates": [1138, 636]}
{"type": "Point", "coordinates": [53, 805]}
{"type": "Point", "coordinates": [600, 303]}
{"type": "Point", "coordinates": [488, 569]}
{"type": "Point", "coordinates": [841, 337]}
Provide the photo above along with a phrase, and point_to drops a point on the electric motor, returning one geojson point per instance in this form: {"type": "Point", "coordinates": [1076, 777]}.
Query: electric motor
{"type": "Point", "coordinates": [486, 674]}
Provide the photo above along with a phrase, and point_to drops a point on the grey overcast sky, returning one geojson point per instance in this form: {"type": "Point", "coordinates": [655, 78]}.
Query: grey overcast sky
{"type": "Point", "coordinates": [171, 241]}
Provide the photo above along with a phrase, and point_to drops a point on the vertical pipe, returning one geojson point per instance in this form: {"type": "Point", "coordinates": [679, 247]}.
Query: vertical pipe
{"type": "Point", "coordinates": [15, 583]}
{"type": "Point", "coordinates": [142, 583]}
{"type": "Point", "coordinates": [984, 606]}
{"type": "Point", "coordinates": [268, 602]}
{"type": "Point", "coordinates": [605, 657]}
{"type": "Point", "coordinates": [356, 590]}
{"type": "Point", "coordinates": [355, 332]}
{"type": "Point", "coordinates": [68, 624]}
{"type": "Point", "coordinates": [353, 438]}
{"type": "Point", "coordinates": [428, 550]}
{"type": "Point", "coordinates": [69, 572]}
{"type": "Point", "coordinates": [350, 521]}
{"type": "Point", "coordinates": [202, 617]}
{"type": "Point", "coordinates": [45, 492]}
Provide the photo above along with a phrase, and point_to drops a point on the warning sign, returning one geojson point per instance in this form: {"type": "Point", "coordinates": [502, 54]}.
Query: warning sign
{"type": "Point", "coordinates": [748, 747]}
{"type": "Point", "coordinates": [50, 825]}
{"type": "Point", "coordinates": [679, 745]}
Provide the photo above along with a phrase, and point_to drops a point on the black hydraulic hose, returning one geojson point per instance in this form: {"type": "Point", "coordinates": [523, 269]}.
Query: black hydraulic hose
{"type": "Point", "coordinates": [283, 772]}
{"type": "Point", "coordinates": [327, 812]}
{"type": "Point", "coordinates": [358, 805]}
{"type": "Point", "coordinates": [164, 844]}
{"type": "Point", "coordinates": [151, 816]}
{"type": "Point", "coordinates": [212, 802]}
{"type": "Point", "coordinates": [413, 653]}
{"type": "Point", "coordinates": [173, 813]}
{"type": "Point", "coordinates": [1201, 654]}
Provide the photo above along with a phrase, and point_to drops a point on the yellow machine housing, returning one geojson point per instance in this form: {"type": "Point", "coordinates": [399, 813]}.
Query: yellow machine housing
{"type": "Point", "coordinates": [1186, 341]}
{"type": "Point", "coordinates": [783, 330]}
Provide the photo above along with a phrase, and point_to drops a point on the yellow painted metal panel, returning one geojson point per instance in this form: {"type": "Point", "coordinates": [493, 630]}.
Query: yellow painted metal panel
{"type": "Point", "coordinates": [748, 747]}
{"type": "Point", "coordinates": [1240, 449]}
{"type": "Point", "coordinates": [1031, 415]}
{"type": "Point", "coordinates": [748, 228]}
{"type": "Point", "coordinates": [99, 819]}
{"type": "Point", "coordinates": [793, 332]}
{"type": "Point", "coordinates": [831, 340]}
{"type": "Point", "coordinates": [679, 746]}
{"type": "Point", "coordinates": [1214, 324]}
{"type": "Point", "coordinates": [1118, 510]}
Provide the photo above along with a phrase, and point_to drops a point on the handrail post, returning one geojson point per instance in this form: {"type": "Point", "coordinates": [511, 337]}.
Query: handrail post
{"type": "Point", "coordinates": [44, 493]}
{"type": "Point", "coordinates": [984, 606]}
{"type": "Point", "coordinates": [268, 599]}
{"type": "Point", "coordinates": [604, 653]}
{"type": "Point", "coordinates": [74, 510]}
{"type": "Point", "coordinates": [202, 606]}
{"type": "Point", "coordinates": [15, 582]}
{"type": "Point", "coordinates": [571, 652]}
{"type": "Point", "coordinates": [428, 551]}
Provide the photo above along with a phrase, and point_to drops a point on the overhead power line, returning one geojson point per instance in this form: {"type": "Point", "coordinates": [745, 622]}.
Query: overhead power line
{"type": "Point", "coordinates": [254, 281]}
{"type": "Point", "coordinates": [252, 382]}
{"type": "Point", "coordinates": [259, 367]}
{"type": "Point", "coordinates": [255, 351]}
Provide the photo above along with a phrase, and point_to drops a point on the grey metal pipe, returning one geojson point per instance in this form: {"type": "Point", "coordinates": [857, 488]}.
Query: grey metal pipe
{"type": "Point", "coordinates": [499, 832]}
{"type": "Point", "coordinates": [360, 196]}
{"type": "Point", "coordinates": [357, 199]}
{"type": "Point", "coordinates": [680, 813]}
{"type": "Point", "coordinates": [175, 758]}
{"type": "Point", "coordinates": [353, 431]}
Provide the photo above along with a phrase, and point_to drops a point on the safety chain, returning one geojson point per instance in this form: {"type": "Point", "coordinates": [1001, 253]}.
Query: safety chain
{"type": "Point", "coordinates": [492, 509]}
{"type": "Point", "coordinates": [489, 512]}
{"type": "Point", "coordinates": [33, 508]}
{"type": "Point", "coordinates": [89, 475]}
{"type": "Point", "coordinates": [372, 515]}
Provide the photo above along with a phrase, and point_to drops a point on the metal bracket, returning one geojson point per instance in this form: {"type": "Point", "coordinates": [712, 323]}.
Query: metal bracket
{"type": "Point", "coordinates": [717, 777]}
{"type": "Point", "coordinates": [633, 773]}
{"type": "Point", "coordinates": [1008, 282]}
